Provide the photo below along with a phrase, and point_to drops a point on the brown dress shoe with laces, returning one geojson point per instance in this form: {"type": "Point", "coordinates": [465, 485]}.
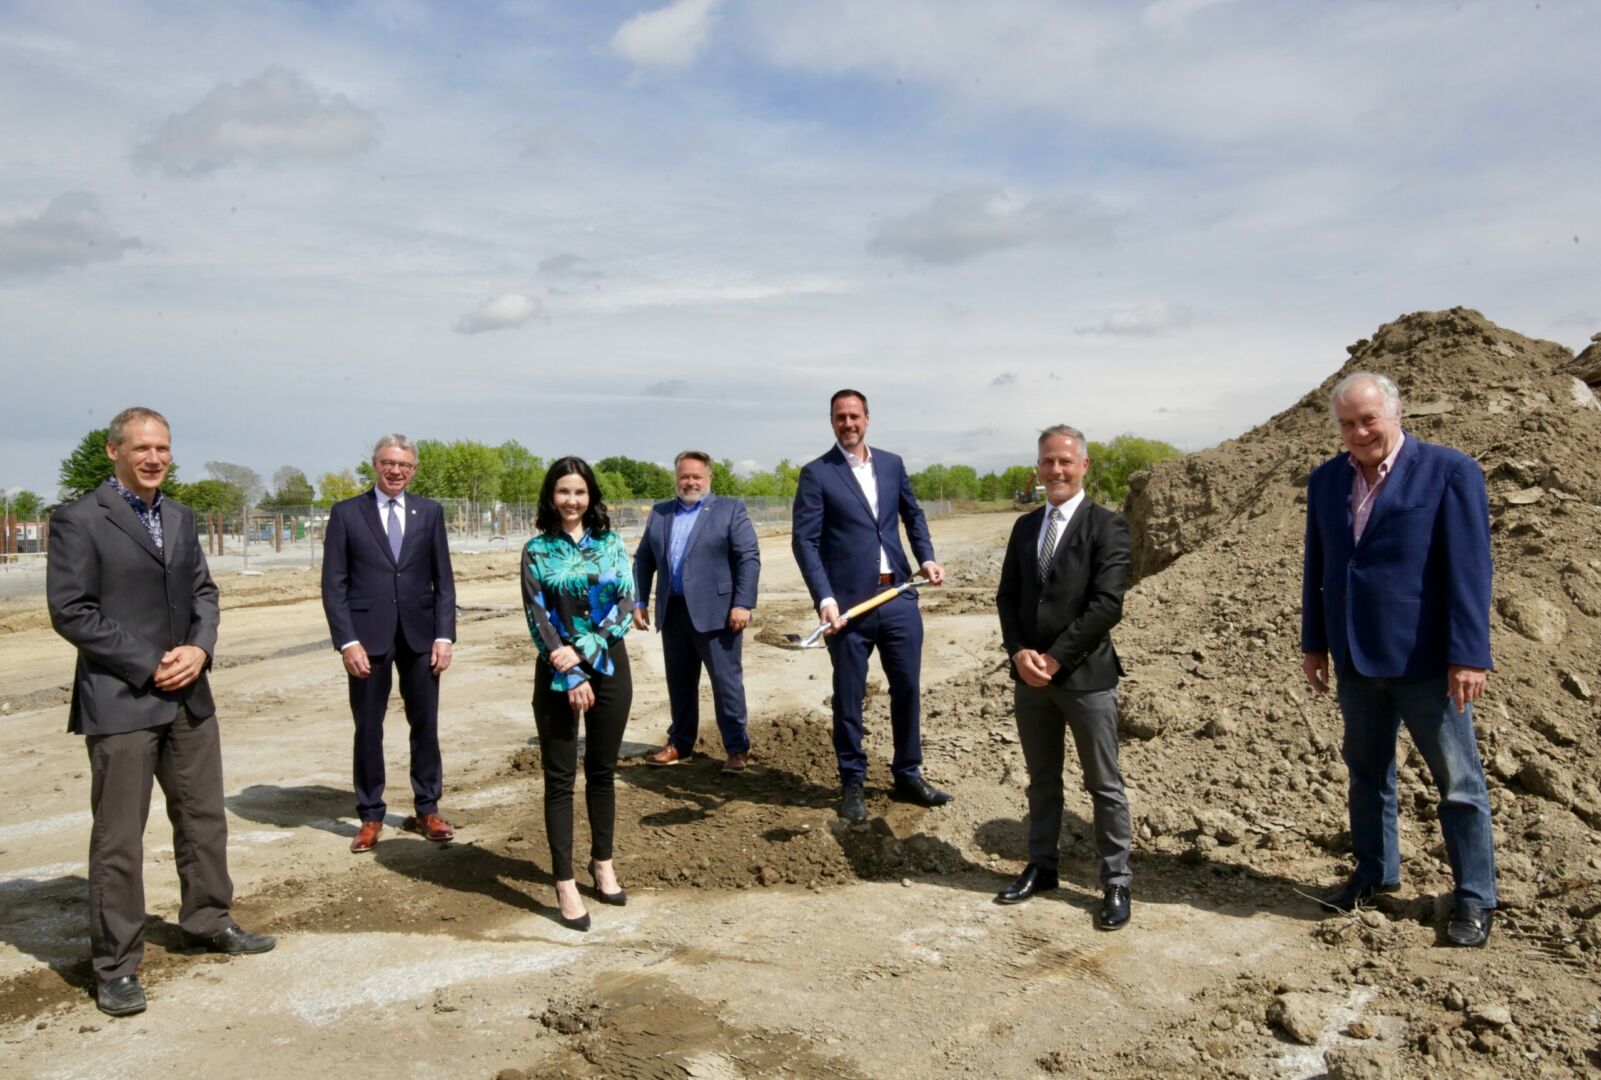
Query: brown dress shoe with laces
{"type": "Point", "coordinates": [737, 763]}
{"type": "Point", "coordinates": [431, 827]}
{"type": "Point", "coordinates": [367, 838]}
{"type": "Point", "coordinates": [667, 755]}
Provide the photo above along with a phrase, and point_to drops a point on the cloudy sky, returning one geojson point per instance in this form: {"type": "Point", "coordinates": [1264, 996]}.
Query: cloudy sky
{"type": "Point", "coordinates": [616, 227]}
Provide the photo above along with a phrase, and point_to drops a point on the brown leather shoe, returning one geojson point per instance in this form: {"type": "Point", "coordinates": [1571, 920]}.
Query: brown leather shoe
{"type": "Point", "coordinates": [737, 763]}
{"type": "Point", "coordinates": [431, 827]}
{"type": "Point", "coordinates": [667, 755]}
{"type": "Point", "coordinates": [367, 838]}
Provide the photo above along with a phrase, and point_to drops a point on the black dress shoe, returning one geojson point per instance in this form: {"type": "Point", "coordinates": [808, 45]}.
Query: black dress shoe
{"type": "Point", "coordinates": [1470, 927]}
{"type": "Point", "coordinates": [580, 923]}
{"type": "Point", "coordinates": [914, 789]}
{"type": "Point", "coordinates": [1033, 879]}
{"type": "Point", "coordinates": [1353, 893]}
{"type": "Point", "coordinates": [853, 804]}
{"type": "Point", "coordinates": [233, 940]}
{"type": "Point", "coordinates": [615, 899]}
{"type": "Point", "coordinates": [122, 996]}
{"type": "Point", "coordinates": [1114, 908]}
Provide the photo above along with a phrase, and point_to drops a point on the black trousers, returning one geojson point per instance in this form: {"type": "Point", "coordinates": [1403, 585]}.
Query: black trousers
{"type": "Point", "coordinates": [369, 701]}
{"type": "Point", "coordinates": [558, 753]}
{"type": "Point", "coordinates": [186, 757]}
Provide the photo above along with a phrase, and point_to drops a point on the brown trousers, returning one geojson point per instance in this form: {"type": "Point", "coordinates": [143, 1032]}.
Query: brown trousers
{"type": "Point", "coordinates": [186, 757]}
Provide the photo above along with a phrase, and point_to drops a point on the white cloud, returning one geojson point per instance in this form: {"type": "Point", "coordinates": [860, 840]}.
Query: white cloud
{"type": "Point", "coordinates": [667, 38]}
{"type": "Point", "coordinates": [1172, 16]}
{"type": "Point", "coordinates": [667, 388]}
{"type": "Point", "coordinates": [276, 116]}
{"type": "Point", "coordinates": [567, 265]}
{"type": "Point", "coordinates": [963, 225]}
{"type": "Point", "coordinates": [71, 231]}
{"type": "Point", "coordinates": [501, 313]}
{"type": "Point", "coordinates": [1141, 320]}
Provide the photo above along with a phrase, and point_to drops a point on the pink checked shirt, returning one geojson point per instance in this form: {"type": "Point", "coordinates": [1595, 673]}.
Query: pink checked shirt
{"type": "Point", "coordinates": [1362, 498]}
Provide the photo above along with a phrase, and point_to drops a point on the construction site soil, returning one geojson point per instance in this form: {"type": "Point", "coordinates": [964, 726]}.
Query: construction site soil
{"type": "Point", "coordinates": [764, 939]}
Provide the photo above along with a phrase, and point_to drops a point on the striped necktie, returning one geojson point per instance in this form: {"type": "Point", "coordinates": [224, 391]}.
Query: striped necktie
{"type": "Point", "coordinates": [1048, 548]}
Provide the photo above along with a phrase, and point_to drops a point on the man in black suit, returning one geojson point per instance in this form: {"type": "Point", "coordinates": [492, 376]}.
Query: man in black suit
{"type": "Point", "coordinates": [128, 586]}
{"type": "Point", "coordinates": [1067, 565]}
{"type": "Point", "coordinates": [390, 599]}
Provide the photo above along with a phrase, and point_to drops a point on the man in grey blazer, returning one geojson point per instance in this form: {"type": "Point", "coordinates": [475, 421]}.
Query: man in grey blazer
{"type": "Point", "coordinates": [704, 550]}
{"type": "Point", "coordinates": [127, 584]}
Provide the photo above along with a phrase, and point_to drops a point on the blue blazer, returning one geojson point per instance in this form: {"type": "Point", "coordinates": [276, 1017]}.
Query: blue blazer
{"type": "Point", "coordinates": [721, 563]}
{"type": "Point", "coordinates": [836, 537]}
{"type": "Point", "coordinates": [369, 595]}
{"type": "Point", "coordinates": [1413, 598]}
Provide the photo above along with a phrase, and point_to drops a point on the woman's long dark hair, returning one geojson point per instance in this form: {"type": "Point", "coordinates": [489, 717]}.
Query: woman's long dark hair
{"type": "Point", "coordinates": [547, 519]}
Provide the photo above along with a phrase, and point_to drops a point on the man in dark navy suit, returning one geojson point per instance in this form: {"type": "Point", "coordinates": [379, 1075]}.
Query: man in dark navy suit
{"type": "Point", "coordinates": [1396, 592]}
{"type": "Point", "coordinates": [704, 550]}
{"type": "Point", "coordinates": [390, 599]}
{"type": "Point", "coordinates": [849, 547]}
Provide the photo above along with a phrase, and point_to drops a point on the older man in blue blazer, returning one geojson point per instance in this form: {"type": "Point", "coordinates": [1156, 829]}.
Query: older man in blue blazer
{"type": "Point", "coordinates": [390, 599]}
{"type": "Point", "coordinates": [848, 545]}
{"type": "Point", "coordinates": [1396, 597]}
{"type": "Point", "coordinates": [703, 551]}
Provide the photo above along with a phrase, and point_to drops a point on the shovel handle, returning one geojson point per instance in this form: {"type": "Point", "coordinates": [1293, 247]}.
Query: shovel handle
{"type": "Point", "coordinates": [865, 606]}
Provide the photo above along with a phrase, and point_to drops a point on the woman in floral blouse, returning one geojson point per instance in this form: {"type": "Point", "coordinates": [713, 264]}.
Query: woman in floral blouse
{"type": "Point", "coordinates": [578, 593]}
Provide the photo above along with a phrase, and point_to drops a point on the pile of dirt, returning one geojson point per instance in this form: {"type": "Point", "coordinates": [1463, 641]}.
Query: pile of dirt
{"type": "Point", "coordinates": [1246, 757]}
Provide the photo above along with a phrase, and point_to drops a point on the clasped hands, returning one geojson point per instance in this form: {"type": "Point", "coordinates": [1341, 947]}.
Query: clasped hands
{"type": "Point", "coordinates": [1034, 667]}
{"type": "Point", "coordinates": [564, 659]}
{"type": "Point", "coordinates": [179, 667]}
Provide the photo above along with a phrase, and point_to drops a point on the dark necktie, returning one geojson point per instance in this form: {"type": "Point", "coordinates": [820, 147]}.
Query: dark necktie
{"type": "Point", "coordinates": [395, 535]}
{"type": "Point", "coordinates": [1048, 549]}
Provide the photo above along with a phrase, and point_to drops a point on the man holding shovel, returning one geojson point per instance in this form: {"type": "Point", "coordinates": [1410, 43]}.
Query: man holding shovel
{"type": "Point", "coordinates": [849, 549]}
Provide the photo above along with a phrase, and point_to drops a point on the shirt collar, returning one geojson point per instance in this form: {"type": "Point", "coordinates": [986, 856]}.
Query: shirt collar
{"type": "Point", "coordinates": [1388, 463]}
{"type": "Point", "coordinates": [851, 459]}
{"type": "Point", "coordinates": [383, 500]}
{"type": "Point", "coordinates": [690, 508]}
{"type": "Point", "coordinates": [138, 503]}
{"type": "Point", "coordinates": [1067, 507]}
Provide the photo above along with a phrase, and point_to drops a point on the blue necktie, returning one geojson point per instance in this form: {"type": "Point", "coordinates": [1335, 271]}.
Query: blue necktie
{"type": "Point", "coordinates": [395, 535]}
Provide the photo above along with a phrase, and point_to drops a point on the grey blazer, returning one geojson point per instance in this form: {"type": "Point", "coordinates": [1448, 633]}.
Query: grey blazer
{"type": "Point", "coordinates": [124, 604]}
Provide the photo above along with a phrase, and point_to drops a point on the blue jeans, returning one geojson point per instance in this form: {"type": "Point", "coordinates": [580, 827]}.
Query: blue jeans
{"type": "Point", "coordinates": [1374, 710]}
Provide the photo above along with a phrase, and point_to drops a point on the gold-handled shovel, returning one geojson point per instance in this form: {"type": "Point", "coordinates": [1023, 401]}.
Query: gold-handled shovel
{"type": "Point", "coordinates": [814, 640]}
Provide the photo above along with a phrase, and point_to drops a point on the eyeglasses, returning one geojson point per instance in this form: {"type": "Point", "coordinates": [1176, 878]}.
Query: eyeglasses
{"type": "Point", "coordinates": [397, 466]}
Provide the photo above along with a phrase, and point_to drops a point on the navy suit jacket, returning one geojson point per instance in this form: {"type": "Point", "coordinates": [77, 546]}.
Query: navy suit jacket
{"type": "Point", "coordinates": [1413, 597]}
{"type": "Point", "coordinates": [371, 597]}
{"type": "Point", "coordinates": [836, 538]}
{"type": "Point", "coordinates": [721, 563]}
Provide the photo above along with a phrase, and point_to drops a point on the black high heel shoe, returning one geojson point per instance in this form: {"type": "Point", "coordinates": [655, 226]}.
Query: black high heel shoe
{"type": "Point", "coordinates": [616, 899]}
{"type": "Point", "coordinates": [580, 922]}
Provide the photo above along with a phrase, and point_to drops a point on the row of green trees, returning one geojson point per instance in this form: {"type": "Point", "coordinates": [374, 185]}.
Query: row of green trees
{"type": "Point", "coordinates": [510, 473]}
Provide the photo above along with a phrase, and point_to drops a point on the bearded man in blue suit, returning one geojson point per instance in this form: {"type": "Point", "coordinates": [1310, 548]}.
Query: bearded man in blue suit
{"type": "Point", "coordinates": [1396, 597]}
{"type": "Point", "coordinates": [702, 554]}
{"type": "Point", "coordinates": [848, 545]}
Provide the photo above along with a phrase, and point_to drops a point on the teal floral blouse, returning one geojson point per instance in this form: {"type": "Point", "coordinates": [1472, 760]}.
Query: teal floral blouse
{"type": "Point", "coordinates": [580, 595]}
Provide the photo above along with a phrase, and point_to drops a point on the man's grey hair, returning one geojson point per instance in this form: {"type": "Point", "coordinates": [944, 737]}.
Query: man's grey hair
{"type": "Point", "coordinates": [1382, 383]}
{"type": "Point", "coordinates": [398, 441]}
{"type": "Point", "coordinates": [693, 455]}
{"type": "Point", "coordinates": [1069, 432]}
{"type": "Point", "coordinates": [120, 422]}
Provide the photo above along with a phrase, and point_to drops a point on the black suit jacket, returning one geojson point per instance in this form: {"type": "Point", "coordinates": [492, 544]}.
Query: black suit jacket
{"type": "Point", "coordinates": [1071, 614]}
{"type": "Point", "coordinates": [123, 604]}
{"type": "Point", "coordinates": [371, 597]}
